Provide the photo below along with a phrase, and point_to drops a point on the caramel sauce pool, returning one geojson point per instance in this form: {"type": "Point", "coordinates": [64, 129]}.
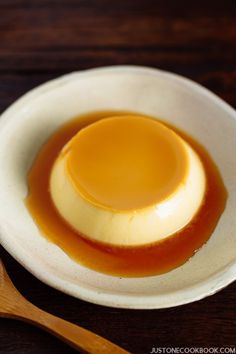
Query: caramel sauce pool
{"type": "Point", "coordinates": [156, 258]}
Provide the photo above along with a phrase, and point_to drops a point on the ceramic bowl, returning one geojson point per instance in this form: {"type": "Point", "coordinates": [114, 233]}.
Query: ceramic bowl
{"type": "Point", "coordinates": [30, 121]}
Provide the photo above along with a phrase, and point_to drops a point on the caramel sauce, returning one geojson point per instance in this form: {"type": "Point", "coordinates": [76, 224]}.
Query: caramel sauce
{"type": "Point", "coordinates": [139, 261]}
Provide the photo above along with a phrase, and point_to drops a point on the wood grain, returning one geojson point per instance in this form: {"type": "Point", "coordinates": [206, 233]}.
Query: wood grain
{"type": "Point", "coordinates": [14, 306]}
{"type": "Point", "coordinates": [41, 39]}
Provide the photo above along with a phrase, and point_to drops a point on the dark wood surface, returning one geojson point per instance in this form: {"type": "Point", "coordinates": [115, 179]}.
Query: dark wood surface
{"type": "Point", "coordinates": [42, 39]}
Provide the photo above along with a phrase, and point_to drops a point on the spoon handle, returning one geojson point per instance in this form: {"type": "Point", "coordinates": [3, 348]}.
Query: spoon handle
{"type": "Point", "coordinates": [77, 337]}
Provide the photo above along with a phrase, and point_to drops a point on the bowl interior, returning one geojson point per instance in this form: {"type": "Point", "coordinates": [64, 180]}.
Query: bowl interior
{"type": "Point", "coordinates": [27, 124]}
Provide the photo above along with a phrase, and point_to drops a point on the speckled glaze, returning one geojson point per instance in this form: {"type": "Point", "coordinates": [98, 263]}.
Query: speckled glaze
{"type": "Point", "coordinates": [28, 123]}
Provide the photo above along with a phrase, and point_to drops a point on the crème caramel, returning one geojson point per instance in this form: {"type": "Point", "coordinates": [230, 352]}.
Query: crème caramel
{"type": "Point", "coordinates": [127, 181]}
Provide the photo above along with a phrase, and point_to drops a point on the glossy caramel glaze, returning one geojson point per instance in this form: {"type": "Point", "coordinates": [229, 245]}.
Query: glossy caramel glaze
{"type": "Point", "coordinates": [115, 149]}
{"type": "Point", "coordinates": [140, 261]}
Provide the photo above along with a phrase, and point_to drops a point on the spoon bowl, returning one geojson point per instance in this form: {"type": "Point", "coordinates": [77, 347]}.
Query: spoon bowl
{"type": "Point", "coordinates": [14, 305]}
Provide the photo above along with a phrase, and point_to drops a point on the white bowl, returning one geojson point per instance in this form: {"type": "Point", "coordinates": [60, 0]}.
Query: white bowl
{"type": "Point", "coordinates": [28, 123]}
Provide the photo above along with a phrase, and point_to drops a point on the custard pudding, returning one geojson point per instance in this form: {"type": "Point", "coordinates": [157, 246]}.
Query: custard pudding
{"type": "Point", "coordinates": [127, 181]}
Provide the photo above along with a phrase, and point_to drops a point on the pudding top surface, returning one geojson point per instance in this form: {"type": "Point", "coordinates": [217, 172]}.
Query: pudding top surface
{"type": "Point", "coordinates": [126, 163]}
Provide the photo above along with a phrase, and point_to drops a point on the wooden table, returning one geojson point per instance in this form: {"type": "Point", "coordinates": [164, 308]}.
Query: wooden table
{"type": "Point", "coordinates": [42, 39]}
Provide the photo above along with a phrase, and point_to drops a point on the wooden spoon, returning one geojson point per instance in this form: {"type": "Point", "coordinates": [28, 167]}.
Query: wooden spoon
{"type": "Point", "coordinates": [14, 305]}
